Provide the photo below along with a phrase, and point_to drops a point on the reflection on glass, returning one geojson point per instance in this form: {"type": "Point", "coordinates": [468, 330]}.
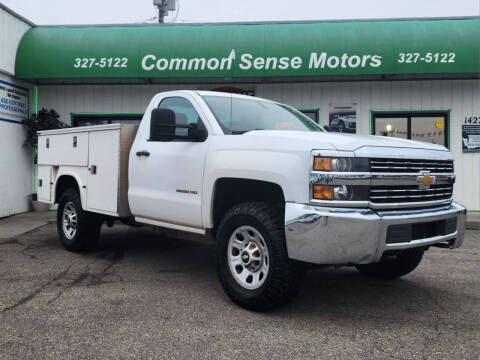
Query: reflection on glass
{"type": "Point", "coordinates": [311, 114]}
{"type": "Point", "coordinates": [429, 129]}
{"type": "Point", "coordinates": [394, 127]}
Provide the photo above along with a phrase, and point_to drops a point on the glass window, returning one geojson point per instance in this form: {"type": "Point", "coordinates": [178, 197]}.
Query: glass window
{"type": "Point", "coordinates": [429, 129]}
{"type": "Point", "coordinates": [90, 122]}
{"type": "Point", "coordinates": [312, 114]}
{"type": "Point", "coordinates": [237, 115]}
{"type": "Point", "coordinates": [427, 126]}
{"type": "Point", "coordinates": [395, 127]}
{"type": "Point", "coordinates": [185, 113]}
{"type": "Point", "coordinates": [101, 119]}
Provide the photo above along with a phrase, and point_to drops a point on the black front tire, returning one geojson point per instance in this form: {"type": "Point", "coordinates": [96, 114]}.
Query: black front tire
{"type": "Point", "coordinates": [284, 278]}
{"type": "Point", "coordinates": [87, 225]}
{"type": "Point", "coordinates": [393, 267]}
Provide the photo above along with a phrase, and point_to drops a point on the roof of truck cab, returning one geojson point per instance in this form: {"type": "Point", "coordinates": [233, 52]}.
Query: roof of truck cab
{"type": "Point", "coordinates": [227, 94]}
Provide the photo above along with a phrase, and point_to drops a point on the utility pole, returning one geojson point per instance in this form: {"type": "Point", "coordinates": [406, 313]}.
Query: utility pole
{"type": "Point", "coordinates": [164, 6]}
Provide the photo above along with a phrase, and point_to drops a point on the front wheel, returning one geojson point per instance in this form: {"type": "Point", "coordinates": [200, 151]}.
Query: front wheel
{"type": "Point", "coordinates": [393, 267]}
{"type": "Point", "coordinates": [252, 262]}
{"type": "Point", "coordinates": [78, 230]}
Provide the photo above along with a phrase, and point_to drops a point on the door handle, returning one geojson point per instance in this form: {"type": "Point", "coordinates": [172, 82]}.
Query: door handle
{"type": "Point", "coordinates": [143, 153]}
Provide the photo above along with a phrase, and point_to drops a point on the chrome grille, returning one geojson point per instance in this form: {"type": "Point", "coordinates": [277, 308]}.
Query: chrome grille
{"type": "Point", "coordinates": [409, 193]}
{"type": "Point", "coordinates": [410, 166]}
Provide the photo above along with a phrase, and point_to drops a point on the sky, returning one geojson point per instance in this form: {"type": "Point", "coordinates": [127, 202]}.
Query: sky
{"type": "Point", "coordinates": [54, 12]}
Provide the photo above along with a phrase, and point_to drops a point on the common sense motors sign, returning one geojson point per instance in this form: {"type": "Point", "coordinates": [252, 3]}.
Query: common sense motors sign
{"type": "Point", "coordinates": [251, 50]}
{"type": "Point", "coordinates": [247, 61]}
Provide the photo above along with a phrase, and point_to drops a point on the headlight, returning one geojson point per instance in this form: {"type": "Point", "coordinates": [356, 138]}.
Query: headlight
{"type": "Point", "coordinates": [340, 192]}
{"type": "Point", "coordinates": [340, 164]}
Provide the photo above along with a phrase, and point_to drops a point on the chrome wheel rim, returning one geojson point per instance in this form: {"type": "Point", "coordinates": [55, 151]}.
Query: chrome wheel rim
{"type": "Point", "coordinates": [248, 257]}
{"type": "Point", "coordinates": [69, 220]}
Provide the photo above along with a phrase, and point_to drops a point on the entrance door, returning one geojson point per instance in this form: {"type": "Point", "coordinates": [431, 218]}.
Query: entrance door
{"type": "Point", "coordinates": [427, 126]}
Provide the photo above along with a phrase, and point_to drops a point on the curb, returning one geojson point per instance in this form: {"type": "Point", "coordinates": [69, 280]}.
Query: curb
{"type": "Point", "coordinates": [473, 225]}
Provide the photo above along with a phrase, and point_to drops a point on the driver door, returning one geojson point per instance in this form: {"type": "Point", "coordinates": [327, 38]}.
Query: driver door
{"type": "Point", "coordinates": [167, 180]}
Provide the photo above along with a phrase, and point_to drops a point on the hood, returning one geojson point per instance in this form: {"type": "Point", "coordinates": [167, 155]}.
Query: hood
{"type": "Point", "coordinates": [344, 142]}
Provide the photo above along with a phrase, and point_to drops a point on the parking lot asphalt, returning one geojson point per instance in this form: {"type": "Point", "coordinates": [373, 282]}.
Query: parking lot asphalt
{"type": "Point", "coordinates": [142, 295]}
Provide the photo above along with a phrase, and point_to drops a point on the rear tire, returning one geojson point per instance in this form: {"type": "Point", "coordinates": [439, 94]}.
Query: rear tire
{"type": "Point", "coordinates": [393, 267]}
{"type": "Point", "coordinates": [78, 230]}
{"type": "Point", "coordinates": [252, 262]}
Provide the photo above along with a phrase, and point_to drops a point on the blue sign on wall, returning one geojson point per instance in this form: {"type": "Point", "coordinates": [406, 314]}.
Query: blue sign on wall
{"type": "Point", "coordinates": [14, 102]}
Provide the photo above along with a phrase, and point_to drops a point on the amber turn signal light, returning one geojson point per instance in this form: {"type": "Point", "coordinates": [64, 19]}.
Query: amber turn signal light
{"type": "Point", "coordinates": [322, 192]}
{"type": "Point", "coordinates": [322, 164]}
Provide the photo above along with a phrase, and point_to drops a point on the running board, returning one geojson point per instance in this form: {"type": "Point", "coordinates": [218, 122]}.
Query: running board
{"type": "Point", "coordinates": [170, 226]}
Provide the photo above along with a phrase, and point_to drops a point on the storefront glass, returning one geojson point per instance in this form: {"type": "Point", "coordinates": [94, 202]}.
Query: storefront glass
{"type": "Point", "coordinates": [427, 126]}
{"type": "Point", "coordinates": [396, 127]}
{"type": "Point", "coordinates": [429, 129]}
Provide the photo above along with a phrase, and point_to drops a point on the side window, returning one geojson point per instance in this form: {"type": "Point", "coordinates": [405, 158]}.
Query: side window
{"type": "Point", "coordinates": [185, 113]}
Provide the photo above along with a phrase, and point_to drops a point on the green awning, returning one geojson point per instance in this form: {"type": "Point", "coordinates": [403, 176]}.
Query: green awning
{"type": "Point", "coordinates": [271, 50]}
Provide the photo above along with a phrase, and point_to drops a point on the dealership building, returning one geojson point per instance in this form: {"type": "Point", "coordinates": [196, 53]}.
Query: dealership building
{"type": "Point", "coordinates": [415, 79]}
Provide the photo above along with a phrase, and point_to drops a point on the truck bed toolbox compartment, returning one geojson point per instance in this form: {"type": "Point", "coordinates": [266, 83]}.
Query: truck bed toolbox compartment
{"type": "Point", "coordinates": [102, 150]}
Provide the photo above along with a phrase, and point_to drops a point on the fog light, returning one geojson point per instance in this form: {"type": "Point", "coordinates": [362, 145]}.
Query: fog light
{"type": "Point", "coordinates": [342, 192]}
{"type": "Point", "coordinates": [322, 192]}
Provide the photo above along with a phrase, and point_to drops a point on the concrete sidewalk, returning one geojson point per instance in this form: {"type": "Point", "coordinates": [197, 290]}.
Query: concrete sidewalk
{"type": "Point", "coordinates": [22, 223]}
{"type": "Point", "coordinates": [473, 220]}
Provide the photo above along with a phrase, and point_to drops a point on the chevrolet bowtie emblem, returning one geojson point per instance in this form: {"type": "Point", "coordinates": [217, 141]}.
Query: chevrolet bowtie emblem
{"type": "Point", "coordinates": [425, 180]}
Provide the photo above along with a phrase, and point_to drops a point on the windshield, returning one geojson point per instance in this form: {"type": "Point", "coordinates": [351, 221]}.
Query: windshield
{"type": "Point", "coordinates": [237, 115]}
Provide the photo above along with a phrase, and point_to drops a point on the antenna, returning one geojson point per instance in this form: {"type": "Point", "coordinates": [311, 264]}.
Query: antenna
{"type": "Point", "coordinates": [164, 6]}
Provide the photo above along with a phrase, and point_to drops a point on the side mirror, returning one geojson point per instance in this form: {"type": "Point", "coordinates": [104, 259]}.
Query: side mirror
{"type": "Point", "coordinates": [162, 125]}
{"type": "Point", "coordinates": [196, 133]}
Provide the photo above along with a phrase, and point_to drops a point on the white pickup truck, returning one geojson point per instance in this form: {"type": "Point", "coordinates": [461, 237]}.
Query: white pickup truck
{"type": "Point", "coordinates": [272, 188]}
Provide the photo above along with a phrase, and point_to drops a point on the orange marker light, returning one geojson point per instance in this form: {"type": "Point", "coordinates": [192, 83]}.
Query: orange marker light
{"type": "Point", "coordinates": [322, 164]}
{"type": "Point", "coordinates": [323, 192]}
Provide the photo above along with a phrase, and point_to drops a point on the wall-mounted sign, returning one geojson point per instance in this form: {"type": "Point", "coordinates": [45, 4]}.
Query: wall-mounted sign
{"type": "Point", "coordinates": [251, 51]}
{"type": "Point", "coordinates": [471, 138]}
{"type": "Point", "coordinates": [343, 118]}
{"type": "Point", "coordinates": [13, 100]}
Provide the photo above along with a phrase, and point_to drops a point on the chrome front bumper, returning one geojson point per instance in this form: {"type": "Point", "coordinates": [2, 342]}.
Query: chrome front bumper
{"type": "Point", "coordinates": [332, 236]}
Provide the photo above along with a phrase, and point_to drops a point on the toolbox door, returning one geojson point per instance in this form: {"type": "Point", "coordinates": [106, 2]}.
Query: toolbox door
{"type": "Point", "coordinates": [44, 183]}
{"type": "Point", "coordinates": [103, 165]}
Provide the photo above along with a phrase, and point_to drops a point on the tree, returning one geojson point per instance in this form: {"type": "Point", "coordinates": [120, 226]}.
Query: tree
{"type": "Point", "coordinates": [44, 120]}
